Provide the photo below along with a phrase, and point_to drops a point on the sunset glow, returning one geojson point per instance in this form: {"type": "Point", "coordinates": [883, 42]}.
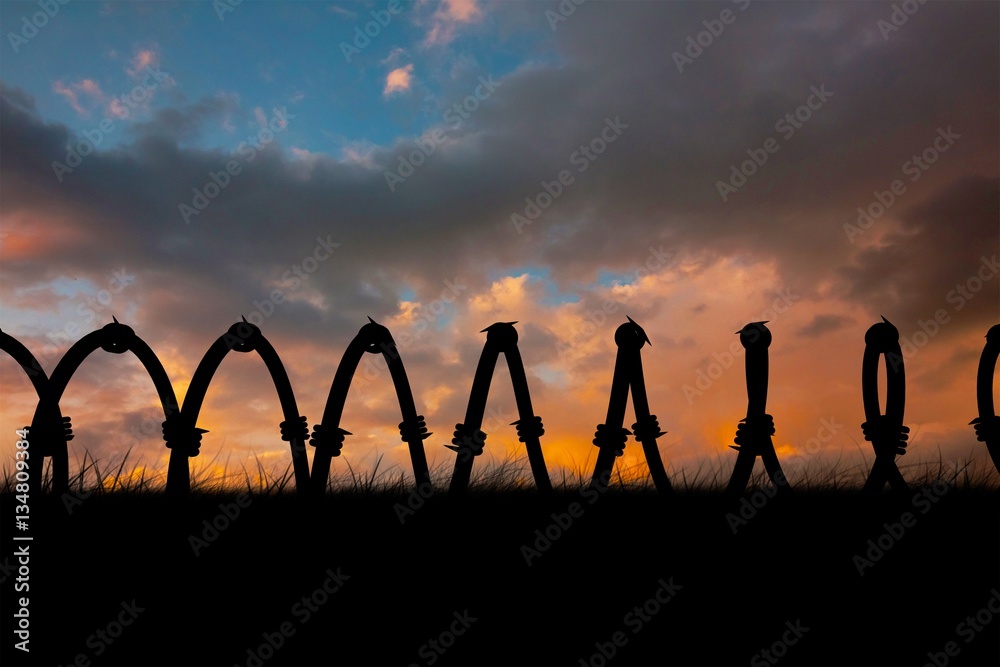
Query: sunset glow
{"type": "Point", "coordinates": [470, 162]}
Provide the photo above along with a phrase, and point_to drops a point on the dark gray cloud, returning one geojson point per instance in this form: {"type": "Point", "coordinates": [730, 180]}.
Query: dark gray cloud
{"type": "Point", "coordinates": [943, 258]}
{"type": "Point", "coordinates": [656, 184]}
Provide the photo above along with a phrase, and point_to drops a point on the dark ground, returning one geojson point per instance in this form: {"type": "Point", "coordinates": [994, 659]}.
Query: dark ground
{"type": "Point", "coordinates": [790, 564]}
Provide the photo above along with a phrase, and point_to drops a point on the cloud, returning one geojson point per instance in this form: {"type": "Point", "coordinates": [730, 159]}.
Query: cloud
{"type": "Point", "coordinates": [142, 59]}
{"type": "Point", "coordinates": [86, 87]}
{"type": "Point", "coordinates": [822, 324]}
{"type": "Point", "coordinates": [185, 123]}
{"type": "Point", "coordinates": [342, 11]}
{"type": "Point", "coordinates": [919, 267]}
{"type": "Point", "coordinates": [394, 56]}
{"type": "Point", "coordinates": [60, 89]}
{"type": "Point", "coordinates": [653, 187]}
{"type": "Point", "coordinates": [448, 17]}
{"type": "Point", "coordinates": [398, 80]}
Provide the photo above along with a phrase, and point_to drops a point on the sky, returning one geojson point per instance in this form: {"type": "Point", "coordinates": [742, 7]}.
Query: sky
{"type": "Point", "coordinates": [443, 166]}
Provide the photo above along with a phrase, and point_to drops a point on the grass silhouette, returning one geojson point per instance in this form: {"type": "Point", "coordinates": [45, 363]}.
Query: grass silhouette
{"type": "Point", "coordinates": [123, 538]}
{"type": "Point", "coordinates": [498, 475]}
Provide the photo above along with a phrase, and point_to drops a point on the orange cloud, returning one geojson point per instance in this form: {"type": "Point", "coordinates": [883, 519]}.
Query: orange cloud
{"type": "Point", "coordinates": [814, 395]}
{"type": "Point", "coordinates": [462, 11]}
{"type": "Point", "coordinates": [67, 91]}
{"type": "Point", "coordinates": [398, 80]}
{"type": "Point", "coordinates": [449, 15]}
{"type": "Point", "coordinates": [140, 61]}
